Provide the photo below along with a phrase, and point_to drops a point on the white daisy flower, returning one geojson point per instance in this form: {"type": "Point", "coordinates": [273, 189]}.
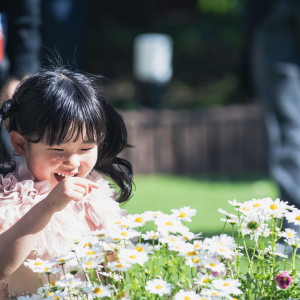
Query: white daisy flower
{"type": "Point", "coordinates": [188, 235]}
{"type": "Point", "coordinates": [112, 275]}
{"type": "Point", "coordinates": [151, 235]}
{"type": "Point", "coordinates": [203, 279]}
{"type": "Point", "coordinates": [124, 234]}
{"type": "Point", "coordinates": [185, 213]}
{"type": "Point", "coordinates": [69, 281]}
{"type": "Point", "coordinates": [294, 242]}
{"type": "Point", "coordinates": [213, 294]}
{"type": "Point", "coordinates": [55, 295]}
{"type": "Point", "coordinates": [275, 208]}
{"type": "Point", "coordinates": [212, 263]}
{"type": "Point", "coordinates": [253, 225]}
{"type": "Point", "coordinates": [293, 217]}
{"type": "Point", "coordinates": [137, 220]}
{"type": "Point", "coordinates": [158, 287]}
{"type": "Point", "coordinates": [152, 215]}
{"type": "Point", "coordinates": [38, 265]}
{"type": "Point", "coordinates": [119, 265]}
{"type": "Point", "coordinates": [227, 214]}
{"type": "Point", "coordinates": [198, 245]}
{"type": "Point", "coordinates": [98, 291]}
{"type": "Point", "coordinates": [222, 245]}
{"type": "Point", "coordinates": [229, 286]}
{"type": "Point", "coordinates": [186, 295]}
{"type": "Point", "coordinates": [133, 256]}
{"type": "Point", "coordinates": [170, 239]}
{"type": "Point", "coordinates": [90, 253]}
{"type": "Point", "coordinates": [62, 260]}
{"type": "Point", "coordinates": [288, 233]}
{"type": "Point", "coordinates": [234, 203]}
{"type": "Point", "coordinates": [168, 223]}
{"type": "Point", "coordinates": [89, 263]}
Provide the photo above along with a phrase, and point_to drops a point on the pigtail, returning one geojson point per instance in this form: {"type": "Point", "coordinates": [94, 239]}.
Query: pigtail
{"type": "Point", "coordinates": [118, 169]}
{"type": "Point", "coordinates": [6, 163]}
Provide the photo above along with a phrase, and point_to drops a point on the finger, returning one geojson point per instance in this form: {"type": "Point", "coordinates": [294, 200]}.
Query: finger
{"type": "Point", "coordinates": [81, 190]}
{"type": "Point", "coordinates": [84, 181]}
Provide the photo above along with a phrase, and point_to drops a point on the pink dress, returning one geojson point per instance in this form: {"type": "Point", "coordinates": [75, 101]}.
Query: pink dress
{"type": "Point", "coordinates": [19, 192]}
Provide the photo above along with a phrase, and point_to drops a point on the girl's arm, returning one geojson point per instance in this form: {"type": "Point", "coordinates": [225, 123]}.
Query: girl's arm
{"type": "Point", "coordinates": [17, 242]}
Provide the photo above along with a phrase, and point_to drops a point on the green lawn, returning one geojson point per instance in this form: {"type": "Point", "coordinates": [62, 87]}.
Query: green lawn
{"type": "Point", "coordinates": [158, 192]}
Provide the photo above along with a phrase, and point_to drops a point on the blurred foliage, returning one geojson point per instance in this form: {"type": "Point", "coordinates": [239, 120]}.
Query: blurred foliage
{"type": "Point", "coordinates": [208, 44]}
{"type": "Point", "coordinates": [220, 6]}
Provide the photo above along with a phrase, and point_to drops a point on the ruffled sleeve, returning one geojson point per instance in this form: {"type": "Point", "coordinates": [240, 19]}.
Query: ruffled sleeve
{"type": "Point", "coordinates": [18, 194]}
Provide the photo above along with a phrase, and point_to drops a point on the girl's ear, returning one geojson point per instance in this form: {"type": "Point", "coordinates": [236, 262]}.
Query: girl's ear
{"type": "Point", "coordinates": [18, 142]}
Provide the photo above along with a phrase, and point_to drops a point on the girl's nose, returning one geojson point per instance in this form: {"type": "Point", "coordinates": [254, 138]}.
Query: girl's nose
{"type": "Point", "coordinates": [72, 160]}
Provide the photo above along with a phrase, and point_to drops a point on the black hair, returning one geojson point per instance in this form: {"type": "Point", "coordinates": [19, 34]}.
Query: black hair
{"type": "Point", "coordinates": [55, 101]}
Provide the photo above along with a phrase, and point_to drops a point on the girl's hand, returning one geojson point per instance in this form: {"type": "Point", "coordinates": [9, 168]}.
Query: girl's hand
{"type": "Point", "coordinates": [70, 188]}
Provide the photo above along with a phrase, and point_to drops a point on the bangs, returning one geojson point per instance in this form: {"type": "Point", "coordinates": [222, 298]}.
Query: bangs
{"type": "Point", "coordinates": [69, 125]}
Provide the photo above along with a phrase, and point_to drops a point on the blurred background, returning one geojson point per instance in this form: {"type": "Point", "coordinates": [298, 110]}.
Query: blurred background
{"type": "Point", "coordinates": [196, 128]}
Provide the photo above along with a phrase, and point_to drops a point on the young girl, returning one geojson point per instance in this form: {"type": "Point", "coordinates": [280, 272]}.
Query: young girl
{"type": "Point", "coordinates": [66, 137]}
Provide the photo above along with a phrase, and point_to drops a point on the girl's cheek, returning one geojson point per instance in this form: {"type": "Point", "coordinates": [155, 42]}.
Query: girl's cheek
{"type": "Point", "coordinates": [55, 159]}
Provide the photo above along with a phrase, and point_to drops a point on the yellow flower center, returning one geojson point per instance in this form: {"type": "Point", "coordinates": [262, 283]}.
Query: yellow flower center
{"type": "Point", "coordinates": [89, 263]}
{"type": "Point", "coordinates": [206, 280]}
{"type": "Point", "coordinates": [119, 266]}
{"type": "Point", "coordinates": [195, 260]}
{"type": "Point", "coordinates": [284, 278]}
{"type": "Point", "coordinates": [132, 256]}
{"type": "Point", "coordinates": [196, 246]}
{"type": "Point", "coordinates": [61, 260]}
{"type": "Point", "coordinates": [289, 234]}
{"type": "Point", "coordinates": [90, 252]}
{"type": "Point", "coordinates": [52, 283]}
{"type": "Point", "coordinates": [139, 220]}
{"type": "Point", "coordinates": [298, 218]}
{"type": "Point", "coordinates": [87, 245]}
{"type": "Point", "coordinates": [256, 205]}
{"type": "Point", "coordinates": [124, 233]}
{"type": "Point", "coordinates": [182, 215]}
{"type": "Point", "coordinates": [38, 263]}
{"type": "Point", "coordinates": [57, 297]}
{"type": "Point", "coordinates": [245, 209]}
{"type": "Point", "coordinates": [169, 223]}
{"type": "Point", "coordinates": [226, 284]}
{"type": "Point", "coordinates": [191, 253]}
{"type": "Point", "coordinates": [223, 250]}
{"type": "Point", "coordinates": [139, 249]}
{"type": "Point", "coordinates": [158, 287]}
{"type": "Point", "coordinates": [273, 206]}
{"type": "Point", "coordinates": [212, 264]}
{"type": "Point", "coordinates": [47, 269]}
{"type": "Point", "coordinates": [214, 294]}
{"type": "Point", "coordinates": [187, 298]}
{"type": "Point", "coordinates": [97, 291]}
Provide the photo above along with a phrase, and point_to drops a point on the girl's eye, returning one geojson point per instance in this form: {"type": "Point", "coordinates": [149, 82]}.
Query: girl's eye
{"type": "Point", "coordinates": [86, 149]}
{"type": "Point", "coordinates": [56, 149]}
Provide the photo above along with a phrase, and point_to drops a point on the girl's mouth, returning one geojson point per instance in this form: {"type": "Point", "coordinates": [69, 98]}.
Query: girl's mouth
{"type": "Point", "coordinates": [59, 177]}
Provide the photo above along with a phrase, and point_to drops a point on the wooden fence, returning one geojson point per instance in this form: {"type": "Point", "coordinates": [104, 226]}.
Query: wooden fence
{"type": "Point", "coordinates": [225, 140]}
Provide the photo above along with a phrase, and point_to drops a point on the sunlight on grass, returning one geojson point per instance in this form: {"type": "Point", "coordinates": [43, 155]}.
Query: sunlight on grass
{"type": "Point", "coordinates": [158, 192]}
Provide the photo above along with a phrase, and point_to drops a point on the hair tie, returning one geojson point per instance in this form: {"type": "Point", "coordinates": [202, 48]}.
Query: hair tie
{"type": "Point", "coordinates": [5, 108]}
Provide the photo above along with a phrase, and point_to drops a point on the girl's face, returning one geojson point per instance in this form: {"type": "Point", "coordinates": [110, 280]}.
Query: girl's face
{"type": "Point", "coordinates": [54, 163]}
